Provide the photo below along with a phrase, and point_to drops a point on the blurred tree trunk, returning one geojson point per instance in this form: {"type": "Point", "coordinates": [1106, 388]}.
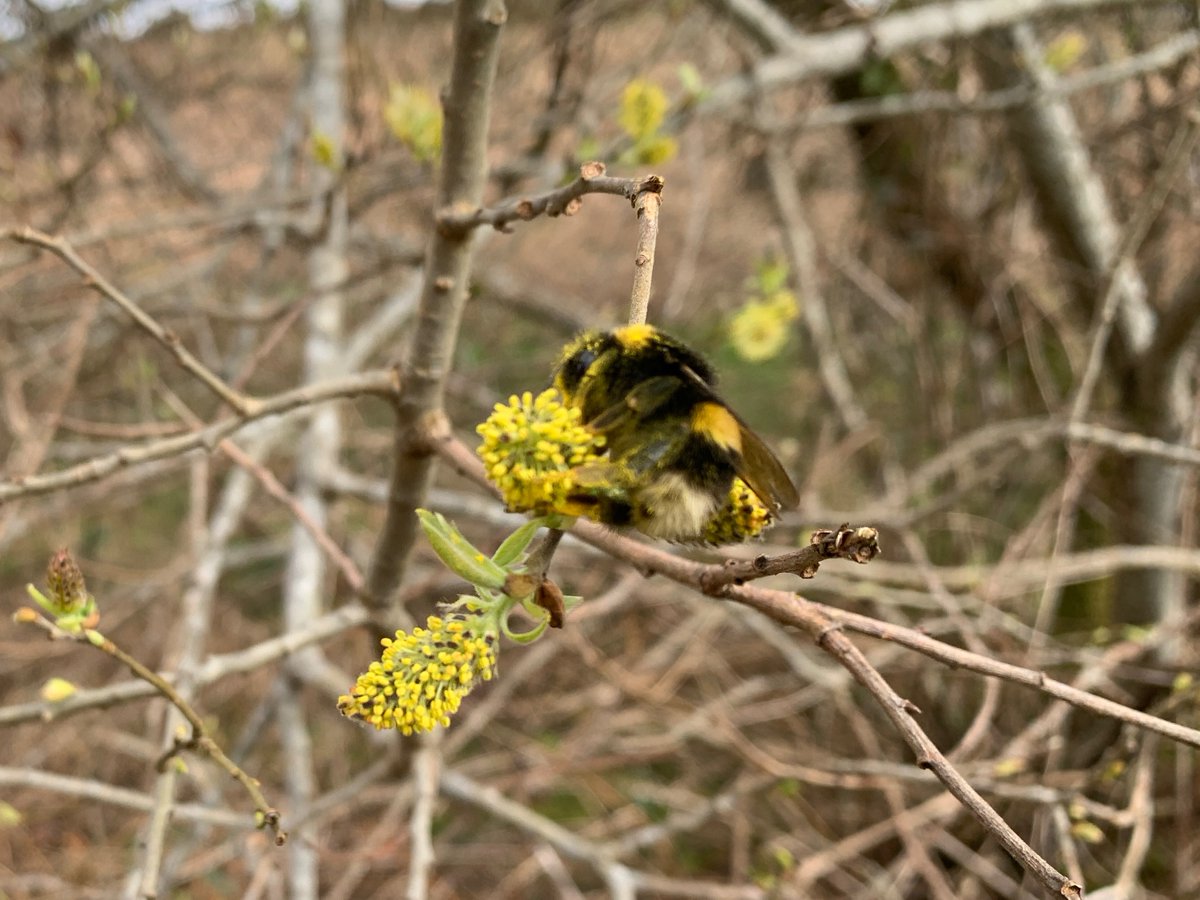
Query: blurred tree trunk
{"type": "Point", "coordinates": [1150, 391]}
{"type": "Point", "coordinates": [317, 459]}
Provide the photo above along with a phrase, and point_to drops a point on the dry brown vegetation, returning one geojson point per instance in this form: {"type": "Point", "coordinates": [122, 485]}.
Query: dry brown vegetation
{"type": "Point", "coordinates": [995, 364]}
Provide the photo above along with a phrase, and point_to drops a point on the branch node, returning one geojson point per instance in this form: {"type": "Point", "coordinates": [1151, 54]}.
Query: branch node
{"type": "Point", "coordinates": [860, 545]}
{"type": "Point", "coordinates": [592, 169]}
{"type": "Point", "coordinates": [652, 184]}
{"type": "Point", "coordinates": [824, 633]}
{"type": "Point", "coordinates": [495, 13]}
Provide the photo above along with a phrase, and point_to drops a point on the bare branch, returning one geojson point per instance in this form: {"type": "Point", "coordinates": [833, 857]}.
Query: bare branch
{"type": "Point", "coordinates": [379, 382]}
{"type": "Point", "coordinates": [847, 49]}
{"type": "Point", "coordinates": [199, 741]}
{"type": "Point", "coordinates": [240, 403]}
{"type": "Point", "coordinates": [563, 201]}
{"type": "Point", "coordinates": [855, 112]}
{"type": "Point", "coordinates": [477, 27]}
{"type": "Point", "coordinates": [780, 605]}
{"type": "Point", "coordinates": [646, 202]}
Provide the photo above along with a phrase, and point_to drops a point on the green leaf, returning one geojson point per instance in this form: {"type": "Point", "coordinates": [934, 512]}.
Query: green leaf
{"type": "Point", "coordinates": [126, 107]}
{"type": "Point", "coordinates": [459, 554]}
{"type": "Point", "coordinates": [41, 600]}
{"type": "Point", "coordinates": [515, 544]}
{"type": "Point", "coordinates": [525, 637]}
{"type": "Point", "coordinates": [570, 601]}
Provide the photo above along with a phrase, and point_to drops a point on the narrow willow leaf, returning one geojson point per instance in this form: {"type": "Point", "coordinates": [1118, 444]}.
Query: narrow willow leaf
{"type": "Point", "coordinates": [459, 554]}
{"type": "Point", "coordinates": [516, 543]}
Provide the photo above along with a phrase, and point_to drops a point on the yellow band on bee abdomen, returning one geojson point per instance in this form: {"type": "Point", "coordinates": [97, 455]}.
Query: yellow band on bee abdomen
{"type": "Point", "coordinates": [719, 424]}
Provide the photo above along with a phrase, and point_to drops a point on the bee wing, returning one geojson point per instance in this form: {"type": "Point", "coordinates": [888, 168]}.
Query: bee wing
{"type": "Point", "coordinates": [643, 400]}
{"type": "Point", "coordinates": [764, 473]}
{"type": "Point", "coordinates": [759, 468]}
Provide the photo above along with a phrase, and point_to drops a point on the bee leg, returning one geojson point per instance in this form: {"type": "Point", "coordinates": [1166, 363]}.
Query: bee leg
{"type": "Point", "coordinates": [608, 507]}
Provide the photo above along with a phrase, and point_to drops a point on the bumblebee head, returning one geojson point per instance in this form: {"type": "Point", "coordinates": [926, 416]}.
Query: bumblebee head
{"type": "Point", "coordinates": [577, 359]}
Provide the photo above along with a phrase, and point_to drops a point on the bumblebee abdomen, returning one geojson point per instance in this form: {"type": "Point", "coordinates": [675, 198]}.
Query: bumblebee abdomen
{"type": "Point", "coordinates": [715, 422]}
{"type": "Point", "coordinates": [673, 508]}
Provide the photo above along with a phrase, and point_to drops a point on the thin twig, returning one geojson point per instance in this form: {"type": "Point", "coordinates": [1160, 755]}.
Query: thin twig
{"type": "Point", "coordinates": [379, 382]}
{"type": "Point", "coordinates": [902, 713]}
{"type": "Point", "coordinates": [243, 405]}
{"type": "Point", "coordinates": [273, 486]}
{"type": "Point", "coordinates": [320, 536]}
{"type": "Point", "coordinates": [563, 201]}
{"type": "Point", "coordinates": [199, 741]}
{"type": "Point", "coordinates": [426, 774]}
{"type": "Point", "coordinates": [860, 545]}
{"type": "Point", "coordinates": [1178, 156]}
{"type": "Point", "coordinates": [651, 560]}
{"type": "Point", "coordinates": [1141, 816]}
{"type": "Point", "coordinates": [848, 49]}
{"type": "Point", "coordinates": [824, 625]}
{"type": "Point", "coordinates": [646, 203]}
{"type": "Point", "coordinates": [621, 880]}
{"type": "Point", "coordinates": [874, 109]}
{"type": "Point", "coordinates": [477, 28]}
{"type": "Point", "coordinates": [974, 662]}
{"type": "Point", "coordinates": [802, 254]}
{"type": "Point", "coordinates": [94, 791]}
{"type": "Point", "coordinates": [215, 668]}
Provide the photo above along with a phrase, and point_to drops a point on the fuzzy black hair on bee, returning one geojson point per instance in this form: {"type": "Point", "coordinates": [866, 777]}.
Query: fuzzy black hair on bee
{"type": "Point", "coordinates": [674, 446]}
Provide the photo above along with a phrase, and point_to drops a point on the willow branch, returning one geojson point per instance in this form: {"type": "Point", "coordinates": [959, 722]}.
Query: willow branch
{"type": "Point", "coordinates": [380, 382]}
{"type": "Point", "coordinates": [915, 103]}
{"type": "Point", "coordinates": [477, 27]}
{"type": "Point", "coordinates": [266, 816]}
{"type": "Point", "coordinates": [563, 201]}
{"type": "Point", "coordinates": [215, 668]}
{"type": "Point", "coordinates": [1178, 156]}
{"type": "Point", "coordinates": [847, 49]}
{"type": "Point", "coordinates": [646, 203]}
{"type": "Point", "coordinates": [714, 579]}
{"type": "Point", "coordinates": [243, 405]}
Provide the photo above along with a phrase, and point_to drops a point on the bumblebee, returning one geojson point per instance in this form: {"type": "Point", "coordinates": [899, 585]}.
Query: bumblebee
{"type": "Point", "coordinates": [673, 446]}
